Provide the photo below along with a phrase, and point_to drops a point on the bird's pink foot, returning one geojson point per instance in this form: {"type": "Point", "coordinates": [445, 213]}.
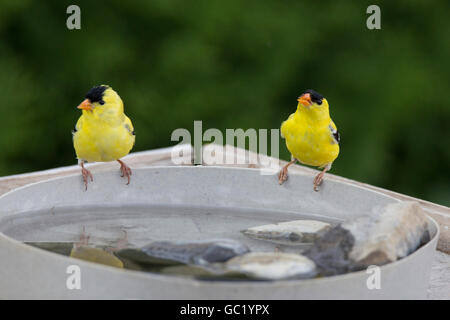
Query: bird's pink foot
{"type": "Point", "coordinates": [125, 170]}
{"type": "Point", "coordinates": [283, 175]}
{"type": "Point", "coordinates": [319, 178]}
{"type": "Point", "coordinates": [86, 175]}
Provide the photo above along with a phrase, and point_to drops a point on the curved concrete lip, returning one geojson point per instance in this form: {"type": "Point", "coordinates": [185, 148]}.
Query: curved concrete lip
{"type": "Point", "coordinates": [221, 201]}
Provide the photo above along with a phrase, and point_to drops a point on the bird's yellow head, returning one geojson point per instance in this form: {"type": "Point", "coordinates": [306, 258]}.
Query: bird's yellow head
{"type": "Point", "coordinates": [313, 104]}
{"type": "Point", "coordinates": [102, 101]}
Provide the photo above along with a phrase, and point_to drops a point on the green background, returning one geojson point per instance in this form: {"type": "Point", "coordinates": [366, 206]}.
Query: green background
{"type": "Point", "coordinates": [235, 64]}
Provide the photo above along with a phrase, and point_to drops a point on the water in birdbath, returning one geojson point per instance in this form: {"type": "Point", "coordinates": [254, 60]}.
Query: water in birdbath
{"type": "Point", "coordinates": [112, 236]}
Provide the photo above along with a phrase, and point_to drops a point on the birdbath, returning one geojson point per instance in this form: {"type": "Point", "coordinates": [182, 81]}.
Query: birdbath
{"type": "Point", "coordinates": [183, 204]}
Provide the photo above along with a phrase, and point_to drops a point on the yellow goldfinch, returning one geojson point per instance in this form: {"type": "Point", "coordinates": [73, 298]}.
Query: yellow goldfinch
{"type": "Point", "coordinates": [311, 136]}
{"type": "Point", "coordinates": [103, 132]}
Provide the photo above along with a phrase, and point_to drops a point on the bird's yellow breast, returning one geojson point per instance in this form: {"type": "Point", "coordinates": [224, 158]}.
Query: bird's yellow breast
{"type": "Point", "coordinates": [310, 140]}
{"type": "Point", "coordinates": [97, 140]}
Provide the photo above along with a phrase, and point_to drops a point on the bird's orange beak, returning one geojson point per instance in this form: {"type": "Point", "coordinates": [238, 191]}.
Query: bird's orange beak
{"type": "Point", "coordinates": [305, 99]}
{"type": "Point", "coordinates": [85, 105]}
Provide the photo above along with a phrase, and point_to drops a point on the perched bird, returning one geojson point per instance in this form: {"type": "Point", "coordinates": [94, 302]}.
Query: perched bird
{"type": "Point", "coordinates": [103, 132]}
{"type": "Point", "coordinates": [311, 136]}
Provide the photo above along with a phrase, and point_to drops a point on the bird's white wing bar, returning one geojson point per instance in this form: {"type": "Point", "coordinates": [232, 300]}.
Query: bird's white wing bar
{"type": "Point", "coordinates": [335, 133]}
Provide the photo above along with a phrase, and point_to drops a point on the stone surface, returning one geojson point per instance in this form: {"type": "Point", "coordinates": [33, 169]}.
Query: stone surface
{"type": "Point", "coordinates": [330, 252]}
{"type": "Point", "coordinates": [386, 235]}
{"type": "Point", "coordinates": [188, 270]}
{"type": "Point", "coordinates": [63, 248]}
{"type": "Point", "coordinates": [96, 255]}
{"type": "Point", "coordinates": [273, 266]}
{"type": "Point", "coordinates": [200, 253]}
{"type": "Point", "coordinates": [136, 259]}
{"type": "Point", "coordinates": [290, 232]}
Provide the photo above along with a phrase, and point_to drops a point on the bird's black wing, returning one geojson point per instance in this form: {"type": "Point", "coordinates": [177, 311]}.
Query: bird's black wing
{"type": "Point", "coordinates": [129, 129]}
{"type": "Point", "coordinates": [335, 134]}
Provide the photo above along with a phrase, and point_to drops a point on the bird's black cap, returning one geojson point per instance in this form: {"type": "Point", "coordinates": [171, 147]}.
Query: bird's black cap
{"type": "Point", "coordinates": [96, 94]}
{"type": "Point", "coordinates": [315, 96]}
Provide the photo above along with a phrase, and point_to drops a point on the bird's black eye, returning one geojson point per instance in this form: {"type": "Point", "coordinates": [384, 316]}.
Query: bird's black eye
{"type": "Point", "coordinates": [102, 102]}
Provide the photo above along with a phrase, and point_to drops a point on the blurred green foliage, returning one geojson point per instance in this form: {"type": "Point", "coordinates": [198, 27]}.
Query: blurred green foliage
{"type": "Point", "coordinates": [235, 64]}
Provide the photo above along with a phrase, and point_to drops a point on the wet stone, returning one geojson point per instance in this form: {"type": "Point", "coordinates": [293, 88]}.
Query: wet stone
{"type": "Point", "coordinates": [213, 272]}
{"type": "Point", "coordinates": [386, 235]}
{"type": "Point", "coordinates": [63, 248]}
{"type": "Point", "coordinates": [96, 255]}
{"type": "Point", "coordinates": [272, 266]}
{"type": "Point", "coordinates": [136, 259]}
{"type": "Point", "coordinates": [187, 270]}
{"type": "Point", "coordinates": [331, 251]}
{"type": "Point", "coordinates": [199, 253]}
{"type": "Point", "coordinates": [290, 232]}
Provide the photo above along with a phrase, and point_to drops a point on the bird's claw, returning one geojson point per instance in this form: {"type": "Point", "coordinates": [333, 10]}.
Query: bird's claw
{"type": "Point", "coordinates": [318, 181]}
{"type": "Point", "coordinates": [282, 176]}
{"type": "Point", "coordinates": [86, 175]}
{"type": "Point", "coordinates": [125, 171]}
